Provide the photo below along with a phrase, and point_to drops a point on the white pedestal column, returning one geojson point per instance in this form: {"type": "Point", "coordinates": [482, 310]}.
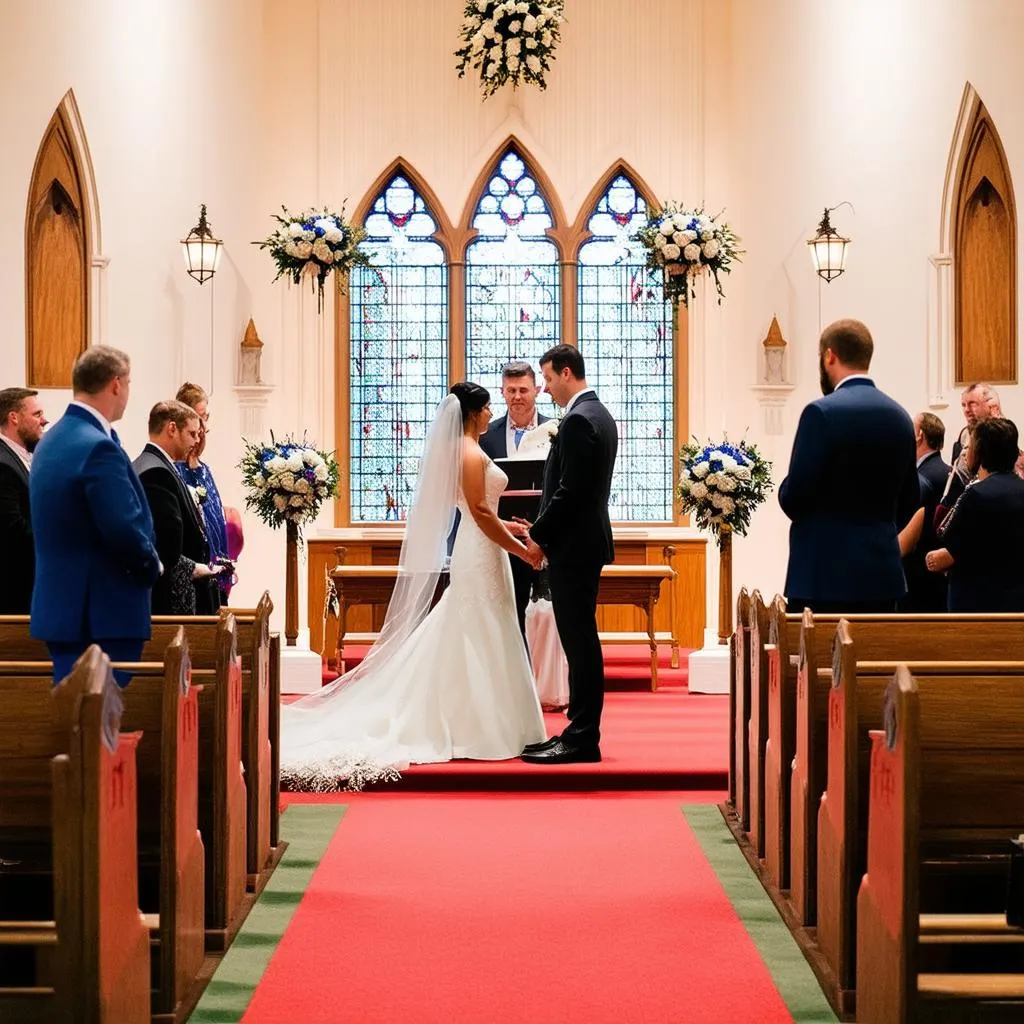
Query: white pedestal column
{"type": "Point", "coordinates": [301, 668]}
{"type": "Point", "coordinates": [708, 668]}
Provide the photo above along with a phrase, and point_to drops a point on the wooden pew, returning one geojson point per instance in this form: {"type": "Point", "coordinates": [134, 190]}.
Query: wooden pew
{"type": "Point", "coordinates": [780, 743]}
{"type": "Point", "coordinates": [739, 712]}
{"type": "Point", "coordinates": [855, 702]}
{"type": "Point", "coordinates": [68, 789]}
{"type": "Point", "coordinates": [946, 772]}
{"type": "Point", "coordinates": [161, 703]}
{"type": "Point", "coordinates": [757, 729]}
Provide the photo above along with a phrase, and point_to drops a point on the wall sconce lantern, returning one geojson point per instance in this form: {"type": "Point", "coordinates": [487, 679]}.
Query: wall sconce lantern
{"type": "Point", "coordinates": [201, 250]}
{"type": "Point", "coordinates": [828, 248]}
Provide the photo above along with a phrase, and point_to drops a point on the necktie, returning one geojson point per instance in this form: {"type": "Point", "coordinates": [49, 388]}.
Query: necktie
{"type": "Point", "coordinates": [517, 435]}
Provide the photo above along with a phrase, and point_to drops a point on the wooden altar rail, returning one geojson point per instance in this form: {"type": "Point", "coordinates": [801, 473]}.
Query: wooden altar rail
{"type": "Point", "coordinates": [637, 585]}
{"type": "Point", "coordinates": [680, 613]}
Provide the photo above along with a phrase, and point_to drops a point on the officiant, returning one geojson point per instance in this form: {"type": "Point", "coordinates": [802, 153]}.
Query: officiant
{"type": "Point", "coordinates": [502, 440]}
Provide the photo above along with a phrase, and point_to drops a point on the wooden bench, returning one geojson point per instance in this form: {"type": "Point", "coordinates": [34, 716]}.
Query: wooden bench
{"type": "Point", "coordinates": [637, 585]}
{"type": "Point", "coordinates": [865, 656]}
{"type": "Point", "coordinates": [260, 711]}
{"type": "Point", "coordinates": [68, 791]}
{"type": "Point", "coordinates": [739, 712]}
{"type": "Point", "coordinates": [946, 773]}
{"type": "Point", "coordinates": [757, 727]}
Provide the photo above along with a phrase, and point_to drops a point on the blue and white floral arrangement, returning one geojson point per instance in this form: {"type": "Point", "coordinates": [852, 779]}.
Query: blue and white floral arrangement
{"type": "Point", "coordinates": [314, 244]}
{"type": "Point", "coordinates": [721, 484]}
{"type": "Point", "coordinates": [683, 244]}
{"type": "Point", "coordinates": [287, 481]}
{"type": "Point", "coordinates": [509, 41]}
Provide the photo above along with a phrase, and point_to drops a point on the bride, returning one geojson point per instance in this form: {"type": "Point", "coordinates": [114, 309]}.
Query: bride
{"type": "Point", "coordinates": [454, 682]}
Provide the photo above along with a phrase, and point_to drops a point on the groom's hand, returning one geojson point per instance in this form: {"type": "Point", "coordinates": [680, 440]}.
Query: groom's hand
{"type": "Point", "coordinates": [522, 522]}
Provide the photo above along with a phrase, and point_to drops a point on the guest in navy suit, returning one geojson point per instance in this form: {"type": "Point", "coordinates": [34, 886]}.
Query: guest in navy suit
{"type": "Point", "coordinates": [984, 535]}
{"type": "Point", "coordinates": [519, 388]}
{"type": "Point", "coordinates": [21, 426]}
{"type": "Point", "coordinates": [926, 591]}
{"type": "Point", "coordinates": [96, 559]}
{"type": "Point", "coordinates": [852, 485]}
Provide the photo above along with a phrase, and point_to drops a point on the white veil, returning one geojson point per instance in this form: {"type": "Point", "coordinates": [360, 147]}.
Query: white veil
{"type": "Point", "coordinates": [322, 735]}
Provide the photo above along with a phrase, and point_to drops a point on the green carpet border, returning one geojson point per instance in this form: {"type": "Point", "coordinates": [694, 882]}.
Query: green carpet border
{"type": "Point", "coordinates": [789, 969]}
{"type": "Point", "coordinates": [308, 829]}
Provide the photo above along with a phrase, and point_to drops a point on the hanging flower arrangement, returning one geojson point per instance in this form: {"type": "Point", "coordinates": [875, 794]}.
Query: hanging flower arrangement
{"type": "Point", "coordinates": [314, 244]}
{"type": "Point", "coordinates": [683, 244]}
{"type": "Point", "coordinates": [509, 41]}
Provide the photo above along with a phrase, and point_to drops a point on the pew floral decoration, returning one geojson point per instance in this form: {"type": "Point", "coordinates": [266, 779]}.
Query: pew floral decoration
{"type": "Point", "coordinates": [683, 244]}
{"type": "Point", "coordinates": [313, 244]}
{"type": "Point", "coordinates": [287, 481]}
{"type": "Point", "coordinates": [509, 41]}
{"type": "Point", "coordinates": [721, 484]}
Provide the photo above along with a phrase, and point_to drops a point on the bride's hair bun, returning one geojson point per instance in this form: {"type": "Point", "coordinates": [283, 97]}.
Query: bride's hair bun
{"type": "Point", "coordinates": [472, 397]}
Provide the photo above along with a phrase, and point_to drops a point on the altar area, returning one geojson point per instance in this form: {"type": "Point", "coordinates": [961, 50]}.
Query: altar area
{"type": "Point", "coordinates": [678, 615]}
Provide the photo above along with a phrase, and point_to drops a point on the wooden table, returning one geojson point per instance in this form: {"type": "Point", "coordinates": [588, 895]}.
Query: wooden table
{"type": "Point", "coordinates": [637, 585]}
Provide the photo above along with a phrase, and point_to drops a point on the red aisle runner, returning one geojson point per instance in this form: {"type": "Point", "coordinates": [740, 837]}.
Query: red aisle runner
{"type": "Point", "coordinates": [490, 909]}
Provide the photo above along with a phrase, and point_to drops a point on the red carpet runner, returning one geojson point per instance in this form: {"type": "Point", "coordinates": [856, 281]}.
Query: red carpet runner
{"type": "Point", "coordinates": [495, 908]}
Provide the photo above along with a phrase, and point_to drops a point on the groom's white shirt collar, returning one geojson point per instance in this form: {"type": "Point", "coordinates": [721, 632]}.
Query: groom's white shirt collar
{"type": "Point", "coordinates": [573, 400]}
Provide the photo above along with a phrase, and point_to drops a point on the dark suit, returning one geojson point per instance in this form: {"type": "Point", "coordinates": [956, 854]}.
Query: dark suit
{"type": "Point", "coordinates": [16, 549]}
{"type": "Point", "coordinates": [926, 591]}
{"type": "Point", "coordinates": [180, 537]}
{"type": "Point", "coordinates": [494, 442]}
{"type": "Point", "coordinates": [852, 485]}
{"type": "Point", "coordinates": [574, 530]}
{"type": "Point", "coordinates": [96, 559]}
{"type": "Point", "coordinates": [985, 536]}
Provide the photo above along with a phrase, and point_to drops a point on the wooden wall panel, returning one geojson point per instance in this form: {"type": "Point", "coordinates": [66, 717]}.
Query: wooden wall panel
{"type": "Point", "coordinates": [985, 260]}
{"type": "Point", "coordinates": [56, 261]}
{"type": "Point", "coordinates": [687, 600]}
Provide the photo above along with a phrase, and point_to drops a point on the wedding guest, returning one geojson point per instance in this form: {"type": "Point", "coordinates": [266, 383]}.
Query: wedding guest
{"type": "Point", "coordinates": [185, 588]}
{"type": "Point", "coordinates": [926, 591]}
{"type": "Point", "coordinates": [852, 485]}
{"type": "Point", "coordinates": [983, 537]}
{"type": "Point", "coordinates": [199, 478]}
{"type": "Point", "coordinates": [21, 426]}
{"type": "Point", "coordinates": [96, 560]}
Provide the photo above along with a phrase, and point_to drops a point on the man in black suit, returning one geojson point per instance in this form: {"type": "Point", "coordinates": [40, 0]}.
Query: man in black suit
{"type": "Point", "coordinates": [852, 485]}
{"type": "Point", "coordinates": [187, 585]}
{"type": "Point", "coordinates": [21, 427]}
{"type": "Point", "coordinates": [501, 440]}
{"type": "Point", "coordinates": [926, 591]}
{"type": "Point", "coordinates": [979, 402]}
{"type": "Point", "coordinates": [572, 530]}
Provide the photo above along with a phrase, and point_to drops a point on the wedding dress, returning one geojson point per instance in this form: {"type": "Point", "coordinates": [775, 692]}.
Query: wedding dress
{"type": "Point", "coordinates": [452, 682]}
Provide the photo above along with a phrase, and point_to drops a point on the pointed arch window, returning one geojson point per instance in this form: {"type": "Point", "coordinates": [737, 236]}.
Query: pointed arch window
{"type": "Point", "coordinates": [513, 278]}
{"type": "Point", "coordinates": [625, 337]}
{"type": "Point", "coordinates": [398, 351]}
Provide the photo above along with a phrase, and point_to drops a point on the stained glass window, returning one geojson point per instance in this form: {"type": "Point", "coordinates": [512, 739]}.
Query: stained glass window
{"type": "Point", "coordinates": [399, 352]}
{"type": "Point", "coordinates": [625, 336]}
{"type": "Point", "coordinates": [513, 283]}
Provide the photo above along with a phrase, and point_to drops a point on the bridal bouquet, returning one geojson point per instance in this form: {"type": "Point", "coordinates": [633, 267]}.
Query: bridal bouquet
{"type": "Point", "coordinates": [509, 41]}
{"type": "Point", "coordinates": [721, 484]}
{"type": "Point", "coordinates": [683, 244]}
{"type": "Point", "coordinates": [287, 481]}
{"type": "Point", "coordinates": [313, 244]}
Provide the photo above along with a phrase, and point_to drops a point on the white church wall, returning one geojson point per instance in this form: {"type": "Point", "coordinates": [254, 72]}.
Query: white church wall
{"type": "Point", "coordinates": [853, 101]}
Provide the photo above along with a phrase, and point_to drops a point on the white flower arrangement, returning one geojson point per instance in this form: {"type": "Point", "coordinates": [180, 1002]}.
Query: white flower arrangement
{"type": "Point", "coordinates": [537, 442]}
{"type": "Point", "coordinates": [721, 484]}
{"type": "Point", "coordinates": [313, 244]}
{"type": "Point", "coordinates": [287, 481]}
{"type": "Point", "coordinates": [683, 244]}
{"type": "Point", "coordinates": [509, 41]}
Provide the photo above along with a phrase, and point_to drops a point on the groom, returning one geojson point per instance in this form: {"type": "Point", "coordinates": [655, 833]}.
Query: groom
{"type": "Point", "coordinates": [573, 532]}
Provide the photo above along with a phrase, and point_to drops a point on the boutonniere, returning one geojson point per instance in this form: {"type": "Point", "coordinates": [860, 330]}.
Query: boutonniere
{"type": "Point", "coordinates": [198, 494]}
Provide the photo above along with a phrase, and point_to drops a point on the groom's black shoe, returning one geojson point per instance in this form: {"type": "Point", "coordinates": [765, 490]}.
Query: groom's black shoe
{"type": "Point", "coordinates": [533, 748]}
{"type": "Point", "coordinates": [563, 752]}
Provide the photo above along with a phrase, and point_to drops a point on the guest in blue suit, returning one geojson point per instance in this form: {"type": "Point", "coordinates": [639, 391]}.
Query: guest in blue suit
{"type": "Point", "coordinates": [852, 485]}
{"type": "Point", "coordinates": [96, 559]}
